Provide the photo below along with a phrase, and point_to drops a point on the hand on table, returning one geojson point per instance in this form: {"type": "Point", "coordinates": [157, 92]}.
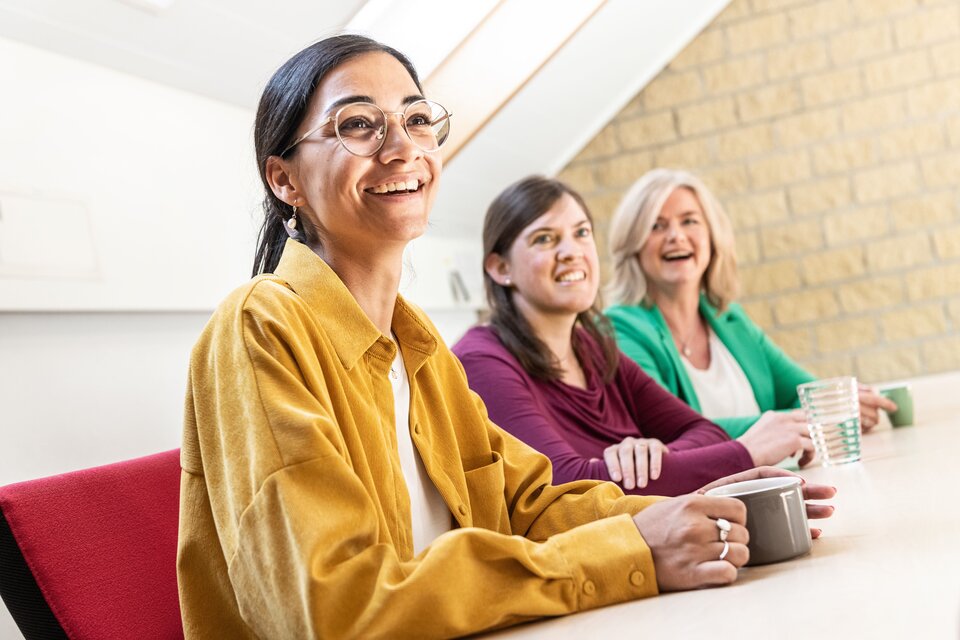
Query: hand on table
{"type": "Point", "coordinates": [810, 491]}
{"type": "Point", "coordinates": [777, 435]}
{"type": "Point", "coordinates": [870, 404]}
{"type": "Point", "coordinates": [684, 540]}
{"type": "Point", "coordinates": [635, 461]}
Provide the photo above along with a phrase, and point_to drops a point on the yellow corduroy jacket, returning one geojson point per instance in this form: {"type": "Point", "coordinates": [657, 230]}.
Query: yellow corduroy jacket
{"type": "Point", "coordinates": [294, 515]}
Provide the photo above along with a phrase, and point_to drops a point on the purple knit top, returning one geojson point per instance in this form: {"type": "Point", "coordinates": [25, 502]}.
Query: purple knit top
{"type": "Point", "coordinates": [573, 426]}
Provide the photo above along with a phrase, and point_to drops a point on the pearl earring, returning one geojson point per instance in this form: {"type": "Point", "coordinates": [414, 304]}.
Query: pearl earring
{"type": "Point", "coordinates": [290, 226]}
{"type": "Point", "coordinates": [506, 281]}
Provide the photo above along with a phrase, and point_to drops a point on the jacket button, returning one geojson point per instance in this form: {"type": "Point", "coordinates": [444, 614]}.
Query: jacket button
{"type": "Point", "coordinates": [462, 509]}
{"type": "Point", "coordinates": [416, 428]}
{"type": "Point", "coordinates": [636, 578]}
{"type": "Point", "coordinates": [589, 588]}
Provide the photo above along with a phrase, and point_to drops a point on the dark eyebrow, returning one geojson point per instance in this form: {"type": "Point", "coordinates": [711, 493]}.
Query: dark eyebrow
{"type": "Point", "coordinates": [539, 229]}
{"type": "Point", "coordinates": [532, 232]}
{"type": "Point", "coordinates": [347, 100]}
{"type": "Point", "coordinates": [354, 99]}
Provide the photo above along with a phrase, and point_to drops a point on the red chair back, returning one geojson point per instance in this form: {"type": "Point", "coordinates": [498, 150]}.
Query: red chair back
{"type": "Point", "coordinates": [92, 554]}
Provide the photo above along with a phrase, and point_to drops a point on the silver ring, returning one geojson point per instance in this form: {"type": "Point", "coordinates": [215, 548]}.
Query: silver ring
{"type": "Point", "coordinates": [724, 526]}
{"type": "Point", "coordinates": [726, 548]}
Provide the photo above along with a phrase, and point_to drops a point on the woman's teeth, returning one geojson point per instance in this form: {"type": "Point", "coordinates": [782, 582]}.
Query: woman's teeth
{"type": "Point", "coordinates": [392, 187]}
{"type": "Point", "coordinates": [573, 276]}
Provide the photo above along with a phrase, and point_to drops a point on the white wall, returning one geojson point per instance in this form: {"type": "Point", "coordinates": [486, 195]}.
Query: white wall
{"type": "Point", "coordinates": [83, 389]}
{"type": "Point", "coordinates": [164, 181]}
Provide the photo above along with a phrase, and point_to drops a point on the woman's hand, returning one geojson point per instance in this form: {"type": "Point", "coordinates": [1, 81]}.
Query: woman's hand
{"type": "Point", "coordinates": [810, 491]}
{"type": "Point", "coordinates": [870, 404]}
{"type": "Point", "coordinates": [777, 435]}
{"type": "Point", "coordinates": [685, 542]}
{"type": "Point", "coordinates": [635, 461]}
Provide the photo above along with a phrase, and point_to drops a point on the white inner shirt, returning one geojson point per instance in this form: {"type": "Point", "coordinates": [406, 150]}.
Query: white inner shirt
{"type": "Point", "coordinates": [722, 388]}
{"type": "Point", "coordinates": [428, 511]}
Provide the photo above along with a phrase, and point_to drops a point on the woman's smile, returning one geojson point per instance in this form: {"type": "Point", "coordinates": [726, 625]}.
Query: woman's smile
{"type": "Point", "coordinates": [396, 187]}
{"type": "Point", "coordinates": [572, 276]}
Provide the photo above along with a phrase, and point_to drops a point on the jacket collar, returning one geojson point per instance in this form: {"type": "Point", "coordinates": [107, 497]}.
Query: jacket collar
{"type": "Point", "coordinates": [730, 331]}
{"type": "Point", "coordinates": [349, 329]}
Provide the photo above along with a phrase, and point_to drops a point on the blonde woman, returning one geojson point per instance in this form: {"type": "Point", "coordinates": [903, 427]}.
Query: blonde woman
{"type": "Point", "coordinates": [673, 287]}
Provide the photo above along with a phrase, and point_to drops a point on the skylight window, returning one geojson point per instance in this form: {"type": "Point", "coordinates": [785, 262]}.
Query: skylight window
{"type": "Point", "coordinates": [427, 32]}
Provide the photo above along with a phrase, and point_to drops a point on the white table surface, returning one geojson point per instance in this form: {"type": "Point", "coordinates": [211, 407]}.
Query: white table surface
{"type": "Point", "coordinates": [887, 565]}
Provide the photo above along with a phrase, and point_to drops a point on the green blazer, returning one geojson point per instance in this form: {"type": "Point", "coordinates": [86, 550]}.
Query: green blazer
{"type": "Point", "coordinates": [643, 335]}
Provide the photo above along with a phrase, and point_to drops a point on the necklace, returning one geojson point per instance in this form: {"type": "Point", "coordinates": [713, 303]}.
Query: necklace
{"type": "Point", "coordinates": [394, 373]}
{"type": "Point", "coordinates": [684, 343]}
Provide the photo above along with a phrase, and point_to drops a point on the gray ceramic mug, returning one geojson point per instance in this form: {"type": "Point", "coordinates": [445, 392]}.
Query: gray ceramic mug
{"type": "Point", "coordinates": [776, 517]}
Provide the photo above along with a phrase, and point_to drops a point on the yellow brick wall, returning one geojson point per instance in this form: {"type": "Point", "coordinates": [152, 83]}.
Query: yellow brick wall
{"type": "Point", "coordinates": [830, 129]}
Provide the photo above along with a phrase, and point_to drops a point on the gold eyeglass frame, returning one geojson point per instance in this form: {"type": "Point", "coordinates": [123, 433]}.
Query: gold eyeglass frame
{"type": "Point", "coordinates": [382, 136]}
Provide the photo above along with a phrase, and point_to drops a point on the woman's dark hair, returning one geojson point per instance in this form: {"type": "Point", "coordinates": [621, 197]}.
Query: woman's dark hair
{"type": "Point", "coordinates": [508, 215]}
{"type": "Point", "coordinates": [283, 106]}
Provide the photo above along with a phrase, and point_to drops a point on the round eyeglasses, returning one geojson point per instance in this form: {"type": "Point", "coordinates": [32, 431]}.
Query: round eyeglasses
{"type": "Point", "coordinates": [361, 127]}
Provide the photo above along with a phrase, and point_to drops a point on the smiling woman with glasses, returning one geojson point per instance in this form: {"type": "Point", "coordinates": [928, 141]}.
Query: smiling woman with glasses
{"type": "Point", "coordinates": [339, 477]}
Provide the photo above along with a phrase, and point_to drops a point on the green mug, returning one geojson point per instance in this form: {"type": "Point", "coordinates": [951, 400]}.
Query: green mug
{"type": "Point", "coordinates": [901, 395]}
